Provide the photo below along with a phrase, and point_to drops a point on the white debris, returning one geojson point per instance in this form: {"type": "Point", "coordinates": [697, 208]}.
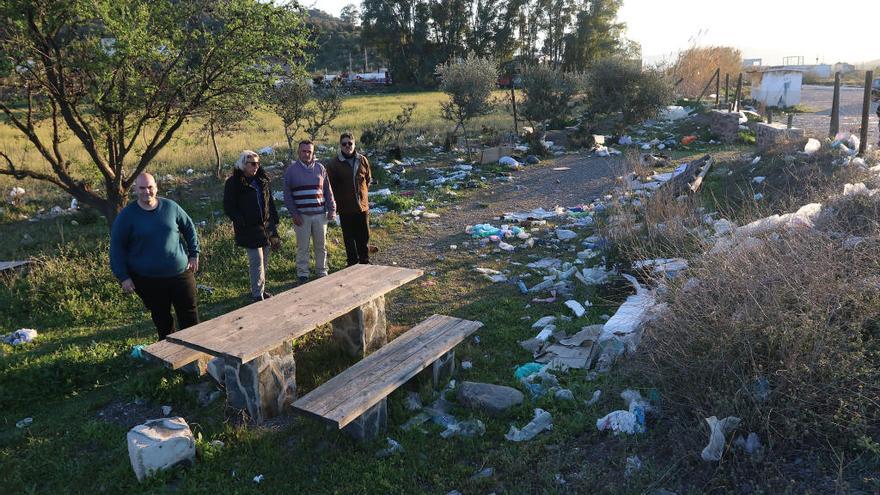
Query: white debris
{"type": "Point", "coordinates": [20, 336]}
{"type": "Point", "coordinates": [668, 266]}
{"type": "Point", "coordinates": [756, 160]}
{"type": "Point", "coordinates": [717, 430]}
{"type": "Point", "coordinates": [541, 422]}
{"type": "Point", "coordinates": [259, 478]}
{"type": "Point", "coordinates": [266, 150]}
{"type": "Point", "coordinates": [160, 444]}
{"type": "Point", "coordinates": [812, 146]}
{"type": "Point", "coordinates": [509, 162]}
{"type": "Point", "coordinates": [575, 307]}
{"type": "Point", "coordinates": [544, 321]}
{"type": "Point", "coordinates": [565, 235]}
{"type": "Point", "coordinates": [626, 324]}
{"type": "Point", "coordinates": [381, 192]}
{"type": "Point", "coordinates": [595, 398]}
{"type": "Point", "coordinates": [758, 179]}
{"type": "Point", "coordinates": [674, 112]}
{"type": "Point", "coordinates": [803, 218]}
{"type": "Point", "coordinates": [24, 423]}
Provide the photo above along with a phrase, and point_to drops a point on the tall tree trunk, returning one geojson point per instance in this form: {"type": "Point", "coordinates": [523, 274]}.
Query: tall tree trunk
{"type": "Point", "coordinates": [213, 133]}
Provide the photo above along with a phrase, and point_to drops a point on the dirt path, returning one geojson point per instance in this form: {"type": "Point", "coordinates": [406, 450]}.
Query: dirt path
{"type": "Point", "coordinates": [538, 186]}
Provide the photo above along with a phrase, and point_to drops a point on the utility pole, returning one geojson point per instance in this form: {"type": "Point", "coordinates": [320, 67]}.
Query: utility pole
{"type": "Point", "coordinates": [366, 66]}
{"type": "Point", "coordinates": [866, 107]}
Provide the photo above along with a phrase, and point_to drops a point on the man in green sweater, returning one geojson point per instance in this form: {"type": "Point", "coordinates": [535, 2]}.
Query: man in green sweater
{"type": "Point", "coordinates": [154, 252]}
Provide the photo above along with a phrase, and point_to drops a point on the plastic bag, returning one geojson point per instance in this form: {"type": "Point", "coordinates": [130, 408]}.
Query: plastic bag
{"type": "Point", "coordinates": [541, 422]}
{"type": "Point", "coordinates": [717, 430]}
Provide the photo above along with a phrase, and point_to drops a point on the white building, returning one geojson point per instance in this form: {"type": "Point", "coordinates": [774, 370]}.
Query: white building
{"type": "Point", "coordinates": [777, 86]}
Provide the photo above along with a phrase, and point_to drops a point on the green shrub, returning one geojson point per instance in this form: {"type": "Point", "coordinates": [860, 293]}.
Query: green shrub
{"type": "Point", "coordinates": [622, 86]}
{"type": "Point", "coordinates": [548, 96]}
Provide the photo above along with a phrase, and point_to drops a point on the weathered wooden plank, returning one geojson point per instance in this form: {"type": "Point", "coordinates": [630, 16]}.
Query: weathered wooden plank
{"type": "Point", "coordinates": [348, 395]}
{"type": "Point", "coordinates": [175, 356]}
{"type": "Point", "coordinates": [248, 332]}
{"type": "Point", "coordinates": [13, 265]}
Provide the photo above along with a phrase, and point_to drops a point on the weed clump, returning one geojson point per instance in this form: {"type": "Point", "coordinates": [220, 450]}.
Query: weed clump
{"type": "Point", "coordinates": [783, 331]}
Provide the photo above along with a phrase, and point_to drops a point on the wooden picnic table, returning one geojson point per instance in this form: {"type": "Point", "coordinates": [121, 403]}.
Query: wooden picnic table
{"type": "Point", "coordinates": [256, 339]}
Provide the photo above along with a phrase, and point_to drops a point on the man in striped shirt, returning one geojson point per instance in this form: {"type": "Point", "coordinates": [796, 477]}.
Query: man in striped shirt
{"type": "Point", "coordinates": [309, 200]}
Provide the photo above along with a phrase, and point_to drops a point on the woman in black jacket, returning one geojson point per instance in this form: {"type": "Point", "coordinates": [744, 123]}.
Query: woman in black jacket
{"type": "Point", "coordinates": [247, 200]}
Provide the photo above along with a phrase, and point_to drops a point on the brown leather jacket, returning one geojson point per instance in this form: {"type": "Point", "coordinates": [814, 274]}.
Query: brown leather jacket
{"type": "Point", "coordinates": [350, 185]}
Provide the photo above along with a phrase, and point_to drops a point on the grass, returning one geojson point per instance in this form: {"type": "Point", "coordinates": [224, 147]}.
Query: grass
{"type": "Point", "coordinates": [78, 377]}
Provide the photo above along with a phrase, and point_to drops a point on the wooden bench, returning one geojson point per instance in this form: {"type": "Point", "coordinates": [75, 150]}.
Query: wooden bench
{"type": "Point", "coordinates": [356, 398]}
{"type": "Point", "coordinates": [255, 341]}
{"type": "Point", "coordinates": [176, 356]}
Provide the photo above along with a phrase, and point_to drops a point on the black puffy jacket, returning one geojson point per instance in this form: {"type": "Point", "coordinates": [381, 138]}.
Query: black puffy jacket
{"type": "Point", "coordinates": [253, 228]}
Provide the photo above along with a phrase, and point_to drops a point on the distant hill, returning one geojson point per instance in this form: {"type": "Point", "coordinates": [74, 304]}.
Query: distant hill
{"type": "Point", "coordinates": [337, 42]}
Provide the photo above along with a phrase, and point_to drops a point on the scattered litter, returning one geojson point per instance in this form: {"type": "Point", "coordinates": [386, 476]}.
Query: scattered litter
{"type": "Point", "coordinates": [527, 369]}
{"type": "Point", "coordinates": [667, 266]}
{"type": "Point", "coordinates": [595, 398]}
{"type": "Point", "coordinates": [466, 365]}
{"type": "Point", "coordinates": [483, 473]}
{"type": "Point", "coordinates": [758, 179]}
{"type": "Point", "coordinates": [393, 448]}
{"type": "Point", "coordinates": [266, 150]}
{"type": "Point", "coordinates": [24, 423]}
{"type": "Point", "coordinates": [688, 140]}
{"type": "Point", "coordinates": [206, 288]}
{"type": "Point", "coordinates": [633, 466]}
{"type": "Point", "coordinates": [575, 307]}
{"type": "Point", "coordinates": [20, 336]}
{"type": "Point", "coordinates": [627, 322]}
{"type": "Point", "coordinates": [543, 321]}
{"type": "Point", "coordinates": [541, 422]}
{"type": "Point", "coordinates": [137, 351]}
{"type": "Point", "coordinates": [756, 160]}
{"type": "Point", "coordinates": [751, 445]}
{"type": "Point", "coordinates": [564, 394]}
{"type": "Point", "coordinates": [381, 192]}
{"type": "Point", "coordinates": [492, 275]}
{"type": "Point", "coordinates": [759, 196]}
{"type": "Point", "coordinates": [469, 428]}
{"type": "Point", "coordinates": [258, 478]}
{"type": "Point", "coordinates": [413, 401]}
{"type": "Point", "coordinates": [565, 235]}
{"type": "Point", "coordinates": [718, 429]}
{"type": "Point", "coordinates": [632, 420]}
{"type": "Point", "coordinates": [812, 146]}
{"type": "Point", "coordinates": [166, 410]}
{"type": "Point", "coordinates": [561, 169]}
{"type": "Point", "coordinates": [674, 112]}
{"type": "Point", "coordinates": [509, 162]}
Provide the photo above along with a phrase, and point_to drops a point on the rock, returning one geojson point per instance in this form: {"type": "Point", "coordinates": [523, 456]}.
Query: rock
{"type": "Point", "coordinates": [160, 444]}
{"type": "Point", "coordinates": [565, 234]}
{"type": "Point", "coordinates": [493, 399]}
{"type": "Point", "coordinates": [533, 160]}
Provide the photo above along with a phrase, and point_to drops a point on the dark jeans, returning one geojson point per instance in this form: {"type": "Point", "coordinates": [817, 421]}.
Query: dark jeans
{"type": "Point", "coordinates": [356, 235]}
{"type": "Point", "coordinates": [160, 293]}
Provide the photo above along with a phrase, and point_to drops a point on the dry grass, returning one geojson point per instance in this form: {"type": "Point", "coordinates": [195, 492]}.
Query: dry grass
{"type": "Point", "coordinates": [798, 311]}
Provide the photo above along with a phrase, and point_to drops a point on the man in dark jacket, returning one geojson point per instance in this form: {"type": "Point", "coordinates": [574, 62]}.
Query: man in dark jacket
{"type": "Point", "coordinates": [247, 200]}
{"type": "Point", "coordinates": [350, 177]}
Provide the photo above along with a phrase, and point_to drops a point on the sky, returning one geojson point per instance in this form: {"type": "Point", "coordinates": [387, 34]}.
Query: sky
{"type": "Point", "coordinates": [767, 29]}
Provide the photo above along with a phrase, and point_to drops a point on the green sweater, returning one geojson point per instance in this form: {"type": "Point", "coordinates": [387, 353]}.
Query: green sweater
{"type": "Point", "coordinates": [153, 243]}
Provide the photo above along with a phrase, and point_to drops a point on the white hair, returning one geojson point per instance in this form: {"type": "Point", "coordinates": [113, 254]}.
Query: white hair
{"type": "Point", "coordinates": [242, 158]}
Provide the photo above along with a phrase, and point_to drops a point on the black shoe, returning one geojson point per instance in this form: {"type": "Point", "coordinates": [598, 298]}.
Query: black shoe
{"type": "Point", "coordinates": [303, 280]}
{"type": "Point", "coordinates": [266, 295]}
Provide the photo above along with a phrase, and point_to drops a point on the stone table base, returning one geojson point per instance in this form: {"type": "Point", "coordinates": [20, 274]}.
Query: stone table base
{"type": "Point", "coordinates": [362, 330]}
{"type": "Point", "coordinates": [264, 386]}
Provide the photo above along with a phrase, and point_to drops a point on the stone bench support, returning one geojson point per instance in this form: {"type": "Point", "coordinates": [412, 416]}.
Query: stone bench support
{"type": "Point", "coordinates": [370, 424]}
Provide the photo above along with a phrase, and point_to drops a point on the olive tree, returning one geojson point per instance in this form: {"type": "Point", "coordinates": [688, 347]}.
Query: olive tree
{"type": "Point", "coordinates": [548, 95]}
{"type": "Point", "coordinates": [120, 77]}
{"type": "Point", "coordinates": [469, 83]}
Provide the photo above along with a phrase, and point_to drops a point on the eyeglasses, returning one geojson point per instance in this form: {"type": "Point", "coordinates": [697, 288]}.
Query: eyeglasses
{"type": "Point", "coordinates": [252, 163]}
{"type": "Point", "coordinates": [347, 143]}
